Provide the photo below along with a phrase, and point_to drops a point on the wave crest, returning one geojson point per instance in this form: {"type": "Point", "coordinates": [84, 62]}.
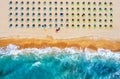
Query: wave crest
{"type": "Point", "coordinates": [14, 50]}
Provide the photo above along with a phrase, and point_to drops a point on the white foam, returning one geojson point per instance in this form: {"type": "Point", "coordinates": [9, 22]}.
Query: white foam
{"type": "Point", "coordinates": [11, 47]}
{"type": "Point", "coordinates": [36, 64]}
{"type": "Point", "coordinates": [13, 50]}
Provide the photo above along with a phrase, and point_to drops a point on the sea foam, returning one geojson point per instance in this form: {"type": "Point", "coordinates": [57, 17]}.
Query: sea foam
{"type": "Point", "coordinates": [14, 50]}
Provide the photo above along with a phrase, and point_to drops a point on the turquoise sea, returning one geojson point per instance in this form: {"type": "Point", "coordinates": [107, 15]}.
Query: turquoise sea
{"type": "Point", "coordinates": [55, 63]}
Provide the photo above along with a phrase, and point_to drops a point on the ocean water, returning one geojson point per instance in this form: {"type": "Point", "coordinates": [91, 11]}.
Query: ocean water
{"type": "Point", "coordinates": [55, 63]}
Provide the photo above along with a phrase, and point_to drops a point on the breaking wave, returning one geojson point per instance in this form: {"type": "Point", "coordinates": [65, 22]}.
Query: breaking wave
{"type": "Point", "coordinates": [56, 63]}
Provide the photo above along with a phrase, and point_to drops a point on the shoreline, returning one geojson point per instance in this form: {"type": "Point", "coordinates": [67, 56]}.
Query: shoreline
{"type": "Point", "coordinates": [93, 44]}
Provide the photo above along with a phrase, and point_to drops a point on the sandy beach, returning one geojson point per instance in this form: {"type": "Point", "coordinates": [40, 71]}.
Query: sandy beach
{"type": "Point", "coordinates": [77, 43]}
{"type": "Point", "coordinates": [33, 36]}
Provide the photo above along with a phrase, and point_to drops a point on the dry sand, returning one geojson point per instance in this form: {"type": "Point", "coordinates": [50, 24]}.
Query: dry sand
{"type": "Point", "coordinates": [78, 43]}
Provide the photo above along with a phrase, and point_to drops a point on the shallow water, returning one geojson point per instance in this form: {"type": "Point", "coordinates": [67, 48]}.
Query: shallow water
{"type": "Point", "coordinates": [55, 63]}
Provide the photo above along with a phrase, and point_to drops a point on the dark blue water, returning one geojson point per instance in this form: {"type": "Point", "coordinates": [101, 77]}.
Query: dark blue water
{"type": "Point", "coordinates": [53, 63]}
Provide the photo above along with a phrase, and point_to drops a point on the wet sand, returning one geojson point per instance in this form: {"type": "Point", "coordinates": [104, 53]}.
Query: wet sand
{"type": "Point", "coordinates": [77, 43]}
